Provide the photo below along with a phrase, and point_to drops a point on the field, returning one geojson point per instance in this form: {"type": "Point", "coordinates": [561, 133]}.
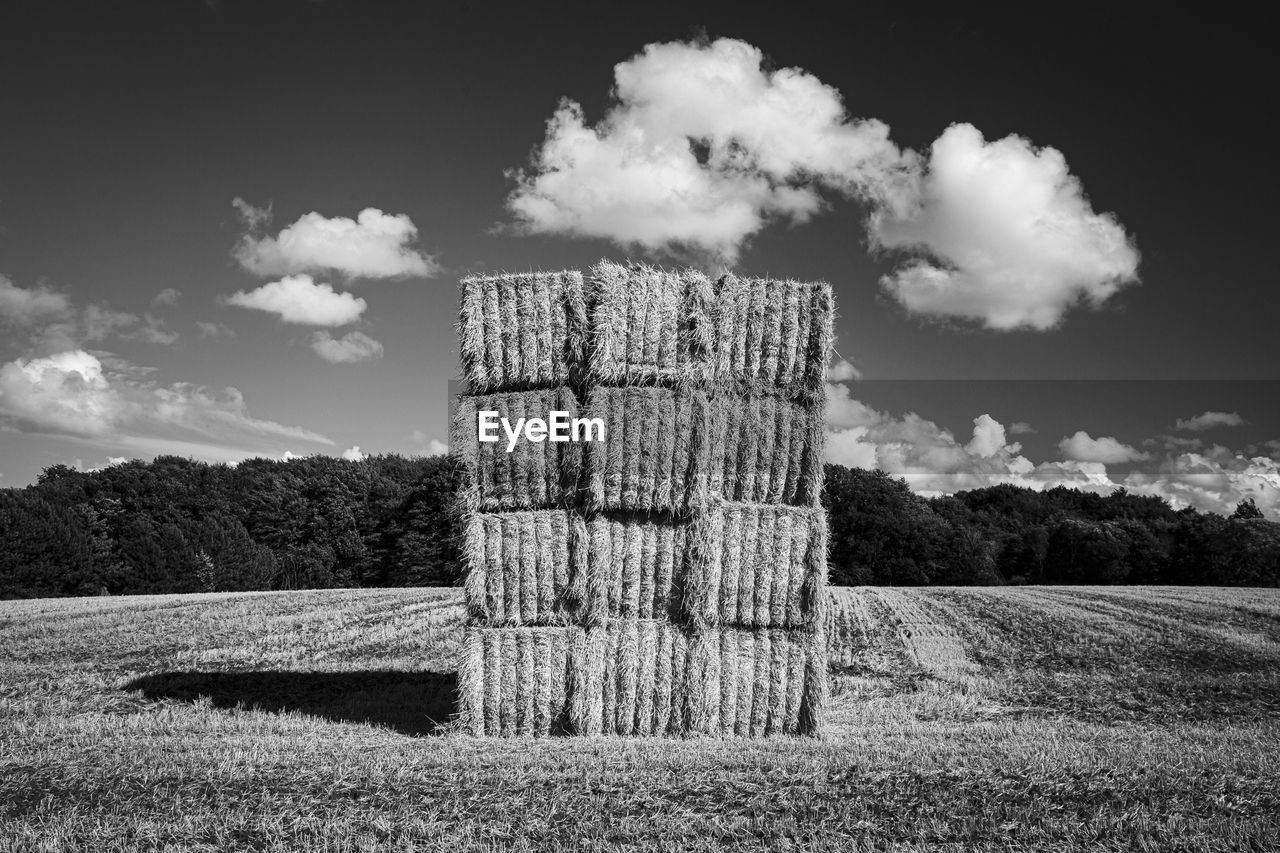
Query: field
{"type": "Point", "coordinates": [1019, 719]}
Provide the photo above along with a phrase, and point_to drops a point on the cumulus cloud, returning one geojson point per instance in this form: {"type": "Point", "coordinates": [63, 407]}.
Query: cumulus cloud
{"type": "Point", "coordinates": [1084, 448]}
{"type": "Point", "coordinates": [78, 394]}
{"type": "Point", "coordinates": [373, 245]}
{"type": "Point", "coordinates": [1215, 480]}
{"type": "Point", "coordinates": [299, 299]}
{"type": "Point", "coordinates": [1209, 420]}
{"type": "Point", "coordinates": [703, 146]}
{"type": "Point", "coordinates": [168, 296]}
{"type": "Point", "coordinates": [430, 446]}
{"type": "Point", "coordinates": [350, 348]}
{"type": "Point", "coordinates": [988, 436]}
{"type": "Point", "coordinates": [353, 454]}
{"type": "Point", "coordinates": [27, 305]}
{"type": "Point", "coordinates": [843, 371]}
{"type": "Point", "coordinates": [1006, 234]}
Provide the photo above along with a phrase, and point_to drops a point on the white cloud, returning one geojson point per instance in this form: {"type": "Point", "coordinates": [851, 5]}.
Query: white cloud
{"type": "Point", "coordinates": [1007, 236]}
{"type": "Point", "coordinates": [701, 149]}
{"type": "Point", "coordinates": [168, 296]}
{"type": "Point", "coordinates": [353, 454]}
{"type": "Point", "coordinates": [27, 305]}
{"type": "Point", "coordinates": [430, 446]}
{"type": "Point", "coordinates": [843, 371]}
{"type": "Point", "coordinates": [1082, 447]}
{"type": "Point", "coordinates": [988, 436]}
{"type": "Point", "coordinates": [299, 299]}
{"type": "Point", "coordinates": [350, 348]}
{"type": "Point", "coordinates": [77, 394]}
{"type": "Point", "coordinates": [1020, 428]}
{"type": "Point", "coordinates": [373, 245]}
{"type": "Point", "coordinates": [1209, 420]}
{"type": "Point", "coordinates": [214, 330]}
{"type": "Point", "coordinates": [1214, 481]}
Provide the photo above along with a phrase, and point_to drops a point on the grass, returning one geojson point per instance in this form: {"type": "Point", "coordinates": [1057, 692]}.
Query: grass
{"type": "Point", "coordinates": [1001, 719]}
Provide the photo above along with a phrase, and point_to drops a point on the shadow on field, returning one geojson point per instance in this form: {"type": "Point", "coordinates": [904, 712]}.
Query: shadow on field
{"type": "Point", "coordinates": [415, 703]}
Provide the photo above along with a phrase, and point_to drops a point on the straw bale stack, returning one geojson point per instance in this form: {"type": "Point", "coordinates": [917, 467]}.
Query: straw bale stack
{"type": "Point", "coordinates": [670, 579]}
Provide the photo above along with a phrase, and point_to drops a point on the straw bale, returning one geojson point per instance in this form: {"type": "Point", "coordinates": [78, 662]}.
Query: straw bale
{"type": "Point", "coordinates": [518, 567]}
{"type": "Point", "coordinates": [533, 475]}
{"type": "Point", "coordinates": [765, 449]}
{"type": "Point", "coordinates": [669, 429]}
{"type": "Point", "coordinates": [521, 330]}
{"type": "Point", "coordinates": [648, 326]}
{"type": "Point", "coordinates": [515, 681]}
{"type": "Point", "coordinates": [772, 336]}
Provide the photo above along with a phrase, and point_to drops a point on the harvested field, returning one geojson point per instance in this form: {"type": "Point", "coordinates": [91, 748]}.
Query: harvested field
{"type": "Point", "coordinates": [977, 719]}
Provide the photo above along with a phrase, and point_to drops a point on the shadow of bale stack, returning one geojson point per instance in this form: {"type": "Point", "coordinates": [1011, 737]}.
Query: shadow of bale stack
{"type": "Point", "coordinates": [671, 578]}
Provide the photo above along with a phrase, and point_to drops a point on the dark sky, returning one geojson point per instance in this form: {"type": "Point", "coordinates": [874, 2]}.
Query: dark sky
{"type": "Point", "coordinates": [127, 129]}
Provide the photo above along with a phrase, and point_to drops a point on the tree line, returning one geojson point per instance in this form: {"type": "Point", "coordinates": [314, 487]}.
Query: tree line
{"type": "Point", "coordinates": [175, 525]}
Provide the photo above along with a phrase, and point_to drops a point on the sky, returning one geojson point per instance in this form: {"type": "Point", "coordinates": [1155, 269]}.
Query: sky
{"type": "Point", "coordinates": [234, 229]}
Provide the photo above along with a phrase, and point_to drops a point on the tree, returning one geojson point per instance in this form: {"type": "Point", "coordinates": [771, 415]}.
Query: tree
{"type": "Point", "coordinates": [1246, 509]}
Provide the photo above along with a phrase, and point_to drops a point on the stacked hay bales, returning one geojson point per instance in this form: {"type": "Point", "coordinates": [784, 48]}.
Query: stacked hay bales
{"type": "Point", "coordinates": [671, 578]}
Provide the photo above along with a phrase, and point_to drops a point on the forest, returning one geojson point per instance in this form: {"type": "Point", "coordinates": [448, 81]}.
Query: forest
{"type": "Point", "coordinates": [177, 525]}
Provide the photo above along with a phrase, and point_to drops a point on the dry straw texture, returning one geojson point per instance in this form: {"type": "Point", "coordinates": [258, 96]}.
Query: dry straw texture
{"type": "Point", "coordinates": [634, 564]}
{"type": "Point", "coordinates": [521, 330]}
{"type": "Point", "coordinates": [516, 681]}
{"type": "Point", "coordinates": [757, 566]}
{"type": "Point", "coordinates": [648, 326]}
{"type": "Point", "coordinates": [766, 449]}
{"type": "Point", "coordinates": [655, 678]}
{"type": "Point", "coordinates": [657, 450]}
{"type": "Point", "coordinates": [518, 567]}
{"type": "Point", "coordinates": [534, 474]}
{"type": "Point", "coordinates": [772, 336]}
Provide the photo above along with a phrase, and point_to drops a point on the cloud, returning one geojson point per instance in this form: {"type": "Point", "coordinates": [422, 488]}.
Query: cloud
{"type": "Point", "coordinates": [1021, 428]}
{"type": "Point", "coordinates": [299, 299]}
{"type": "Point", "coordinates": [28, 305]}
{"type": "Point", "coordinates": [168, 296]}
{"type": "Point", "coordinates": [77, 394]}
{"type": "Point", "coordinates": [1215, 480]}
{"type": "Point", "coordinates": [430, 446]}
{"type": "Point", "coordinates": [1007, 236]}
{"type": "Point", "coordinates": [843, 371]}
{"type": "Point", "coordinates": [214, 330]}
{"type": "Point", "coordinates": [1209, 420]}
{"type": "Point", "coordinates": [353, 454]}
{"type": "Point", "coordinates": [373, 245]}
{"type": "Point", "coordinates": [988, 436]}
{"type": "Point", "coordinates": [702, 147]}
{"type": "Point", "coordinates": [46, 320]}
{"type": "Point", "coordinates": [1082, 447]}
{"type": "Point", "coordinates": [253, 217]}
{"type": "Point", "coordinates": [350, 348]}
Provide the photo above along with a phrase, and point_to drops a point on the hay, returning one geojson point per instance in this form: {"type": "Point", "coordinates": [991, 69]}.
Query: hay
{"type": "Point", "coordinates": [633, 563]}
{"type": "Point", "coordinates": [643, 677]}
{"type": "Point", "coordinates": [535, 474]}
{"type": "Point", "coordinates": [518, 568]}
{"type": "Point", "coordinates": [656, 453]}
{"type": "Point", "coordinates": [772, 336]}
{"type": "Point", "coordinates": [519, 331]}
{"type": "Point", "coordinates": [515, 681]}
{"type": "Point", "coordinates": [766, 449]}
{"type": "Point", "coordinates": [647, 326]}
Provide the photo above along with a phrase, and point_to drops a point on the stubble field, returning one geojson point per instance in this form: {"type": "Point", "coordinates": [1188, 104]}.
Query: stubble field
{"type": "Point", "coordinates": [1012, 719]}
